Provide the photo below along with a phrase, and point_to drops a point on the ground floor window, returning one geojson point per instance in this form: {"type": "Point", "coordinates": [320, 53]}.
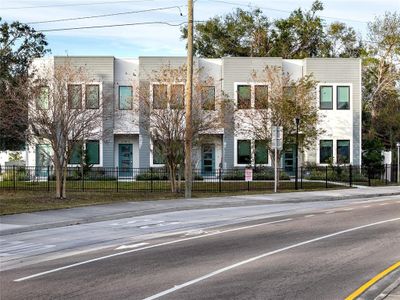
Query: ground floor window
{"type": "Point", "coordinates": [343, 151]}
{"type": "Point", "coordinates": [261, 152]}
{"type": "Point", "coordinates": [244, 152]}
{"type": "Point", "coordinates": [325, 151]}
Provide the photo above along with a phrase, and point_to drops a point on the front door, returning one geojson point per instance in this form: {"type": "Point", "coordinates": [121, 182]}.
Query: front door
{"type": "Point", "coordinates": [208, 160]}
{"type": "Point", "coordinates": [42, 159]}
{"type": "Point", "coordinates": [125, 160]}
{"type": "Point", "coordinates": [289, 160]}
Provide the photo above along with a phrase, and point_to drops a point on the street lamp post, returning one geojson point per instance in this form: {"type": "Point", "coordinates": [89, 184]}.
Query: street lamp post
{"type": "Point", "coordinates": [297, 120]}
{"type": "Point", "coordinates": [398, 162]}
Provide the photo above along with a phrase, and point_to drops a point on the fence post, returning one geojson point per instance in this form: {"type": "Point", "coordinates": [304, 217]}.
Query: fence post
{"type": "Point", "coordinates": [350, 175]}
{"type": "Point", "coordinates": [117, 173]}
{"type": "Point", "coordinates": [48, 178]}
{"type": "Point", "coordinates": [151, 179]}
{"type": "Point", "coordinates": [220, 180]}
{"type": "Point", "coordinates": [301, 177]}
{"type": "Point", "coordinates": [326, 176]}
{"type": "Point", "coordinates": [386, 177]}
{"type": "Point", "coordinates": [14, 178]}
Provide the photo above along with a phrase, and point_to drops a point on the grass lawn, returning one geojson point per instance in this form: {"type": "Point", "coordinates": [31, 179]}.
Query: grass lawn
{"type": "Point", "coordinates": [37, 198]}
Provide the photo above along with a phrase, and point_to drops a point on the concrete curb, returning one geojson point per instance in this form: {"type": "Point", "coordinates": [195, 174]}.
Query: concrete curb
{"type": "Point", "coordinates": [132, 213]}
{"type": "Point", "coordinates": [386, 292]}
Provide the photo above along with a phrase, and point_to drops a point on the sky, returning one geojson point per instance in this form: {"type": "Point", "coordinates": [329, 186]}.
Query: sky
{"type": "Point", "coordinates": [160, 39]}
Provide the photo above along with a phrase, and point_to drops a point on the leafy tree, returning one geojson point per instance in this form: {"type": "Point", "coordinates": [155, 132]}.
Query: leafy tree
{"type": "Point", "coordinates": [381, 76]}
{"type": "Point", "coordinates": [19, 45]}
{"type": "Point", "coordinates": [241, 33]}
{"type": "Point", "coordinates": [372, 153]}
{"type": "Point", "coordinates": [250, 33]}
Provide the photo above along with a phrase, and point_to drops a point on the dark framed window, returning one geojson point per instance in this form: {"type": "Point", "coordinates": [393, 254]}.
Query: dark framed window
{"type": "Point", "coordinates": [75, 96]}
{"type": "Point", "coordinates": [208, 97]}
{"type": "Point", "coordinates": [244, 96]}
{"type": "Point", "coordinates": [92, 96]}
{"type": "Point", "coordinates": [343, 97]}
{"type": "Point", "coordinates": [160, 96]}
{"type": "Point", "coordinates": [42, 102]}
{"type": "Point", "coordinates": [261, 96]}
{"type": "Point", "coordinates": [325, 151]}
{"type": "Point", "coordinates": [125, 97]}
{"type": "Point", "coordinates": [76, 155]}
{"type": "Point", "coordinates": [177, 96]}
{"type": "Point", "coordinates": [93, 152]}
{"type": "Point", "coordinates": [261, 152]}
{"type": "Point", "coordinates": [343, 151]}
{"type": "Point", "coordinates": [244, 152]}
{"type": "Point", "coordinates": [158, 157]}
{"type": "Point", "coordinates": [326, 97]}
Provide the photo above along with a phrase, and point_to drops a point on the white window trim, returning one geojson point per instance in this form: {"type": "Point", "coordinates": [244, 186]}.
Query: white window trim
{"type": "Point", "coordinates": [100, 164]}
{"type": "Point", "coordinates": [169, 85]}
{"type": "Point", "coordinates": [334, 86]}
{"type": "Point", "coordinates": [83, 102]}
{"type": "Point", "coordinates": [118, 96]}
{"type": "Point", "coordinates": [252, 91]}
{"type": "Point", "coordinates": [100, 84]}
{"type": "Point", "coordinates": [252, 153]}
{"type": "Point", "coordinates": [152, 165]}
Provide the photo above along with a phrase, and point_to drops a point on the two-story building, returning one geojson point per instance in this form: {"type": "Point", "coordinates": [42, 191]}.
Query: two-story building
{"type": "Point", "coordinates": [127, 144]}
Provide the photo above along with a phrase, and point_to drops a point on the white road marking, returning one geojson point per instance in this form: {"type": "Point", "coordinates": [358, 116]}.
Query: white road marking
{"type": "Point", "coordinates": [147, 247]}
{"type": "Point", "coordinates": [367, 206]}
{"type": "Point", "coordinates": [330, 212]}
{"type": "Point", "coordinates": [382, 204]}
{"type": "Point", "coordinates": [131, 246]}
{"type": "Point", "coordinates": [348, 209]}
{"type": "Point", "coordinates": [309, 216]}
{"type": "Point", "coordinates": [238, 264]}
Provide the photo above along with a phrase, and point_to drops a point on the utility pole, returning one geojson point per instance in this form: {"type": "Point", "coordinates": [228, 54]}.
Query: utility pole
{"type": "Point", "coordinates": [188, 104]}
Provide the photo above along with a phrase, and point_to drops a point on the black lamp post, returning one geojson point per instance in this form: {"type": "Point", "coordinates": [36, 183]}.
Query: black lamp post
{"type": "Point", "coordinates": [297, 120]}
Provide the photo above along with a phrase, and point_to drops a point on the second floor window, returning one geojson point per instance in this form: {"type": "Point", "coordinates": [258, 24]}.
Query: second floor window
{"type": "Point", "coordinates": [177, 96]}
{"type": "Point", "coordinates": [160, 96]}
{"type": "Point", "coordinates": [244, 96]}
{"type": "Point", "coordinates": [125, 97]}
{"type": "Point", "coordinates": [75, 96]}
{"type": "Point", "coordinates": [343, 97]}
{"type": "Point", "coordinates": [43, 100]}
{"type": "Point", "coordinates": [326, 97]}
{"type": "Point", "coordinates": [208, 98]}
{"type": "Point", "coordinates": [261, 96]}
{"type": "Point", "coordinates": [92, 96]}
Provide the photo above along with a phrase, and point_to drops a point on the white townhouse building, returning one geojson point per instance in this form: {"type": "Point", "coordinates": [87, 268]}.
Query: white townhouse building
{"type": "Point", "coordinates": [128, 145]}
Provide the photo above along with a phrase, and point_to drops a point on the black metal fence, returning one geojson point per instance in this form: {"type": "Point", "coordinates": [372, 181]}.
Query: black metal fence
{"type": "Point", "coordinates": [217, 181]}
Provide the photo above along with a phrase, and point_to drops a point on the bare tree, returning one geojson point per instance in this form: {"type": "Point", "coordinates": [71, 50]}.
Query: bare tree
{"type": "Point", "coordinates": [162, 112]}
{"type": "Point", "coordinates": [276, 100]}
{"type": "Point", "coordinates": [64, 110]}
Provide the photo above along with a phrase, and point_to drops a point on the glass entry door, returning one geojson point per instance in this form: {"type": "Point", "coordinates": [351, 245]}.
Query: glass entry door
{"type": "Point", "coordinates": [125, 160]}
{"type": "Point", "coordinates": [289, 160]}
{"type": "Point", "coordinates": [42, 160]}
{"type": "Point", "coordinates": [208, 160]}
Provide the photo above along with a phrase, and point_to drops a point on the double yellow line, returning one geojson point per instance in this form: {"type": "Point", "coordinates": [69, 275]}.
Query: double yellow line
{"type": "Point", "coordinates": [372, 281]}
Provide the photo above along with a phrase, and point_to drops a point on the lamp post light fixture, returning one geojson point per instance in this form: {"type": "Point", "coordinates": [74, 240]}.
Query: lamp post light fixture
{"type": "Point", "coordinates": [398, 162]}
{"type": "Point", "coordinates": [297, 120]}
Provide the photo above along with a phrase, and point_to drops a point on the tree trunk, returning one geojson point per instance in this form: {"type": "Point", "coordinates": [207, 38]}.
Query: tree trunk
{"type": "Point", "coordinates": [61, 182]}
{"type": "Point", "coordinates": [172, 175]}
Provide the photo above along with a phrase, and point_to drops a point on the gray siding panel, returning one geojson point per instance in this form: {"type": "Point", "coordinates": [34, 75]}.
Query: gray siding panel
{"type": "Point", "coordinates": [239, 69]}
{"type": "Point", "coordinates": [101, 69]}
{"type": "Point", "coordinates": [342, 70]}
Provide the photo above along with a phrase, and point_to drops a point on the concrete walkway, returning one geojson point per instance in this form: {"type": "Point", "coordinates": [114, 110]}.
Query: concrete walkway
{"type": "Point", "coordinates": [63, 217]}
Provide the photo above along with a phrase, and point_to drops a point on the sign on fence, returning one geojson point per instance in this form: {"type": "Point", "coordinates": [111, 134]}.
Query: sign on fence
{"type": "Point", "coordinates": [248, 174]}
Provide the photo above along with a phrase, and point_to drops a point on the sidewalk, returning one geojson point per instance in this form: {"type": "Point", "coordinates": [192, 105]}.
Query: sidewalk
{"type": "Point", "coordinates": [63, 217]}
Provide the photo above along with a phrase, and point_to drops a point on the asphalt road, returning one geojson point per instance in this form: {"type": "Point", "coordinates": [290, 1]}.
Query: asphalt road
{"type": "Point", "coordinates": [320, 253]}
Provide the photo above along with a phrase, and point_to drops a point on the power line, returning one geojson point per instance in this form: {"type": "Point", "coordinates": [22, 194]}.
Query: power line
{"type": "Point", "coordinates": [112, 25]}
{"type": "Point", "coordinates": [110, 15]}
{"type": "Point", "coordinates": [71, 4]}
{"type": "Point", "coordinates": [285, 11]}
